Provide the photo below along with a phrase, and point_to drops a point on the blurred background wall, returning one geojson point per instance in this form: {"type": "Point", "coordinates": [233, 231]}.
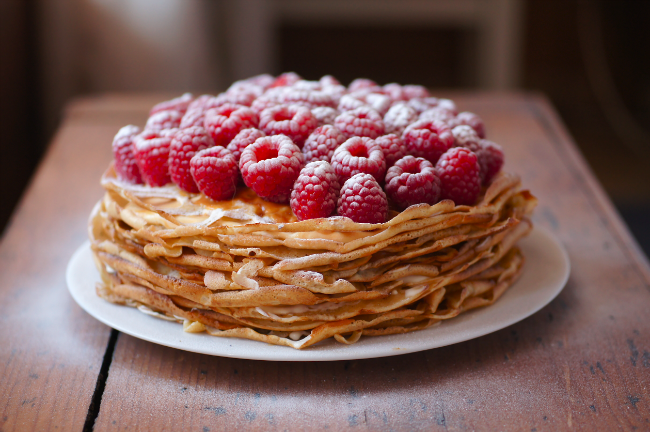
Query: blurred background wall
{"type": "Point", "coordinates": [589, 57]}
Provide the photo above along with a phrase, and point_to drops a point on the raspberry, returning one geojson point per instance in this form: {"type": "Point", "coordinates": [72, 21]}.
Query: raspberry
{"type": "Point", "coordinates": [427, 139]}
{"type": "Point", "coordinates": [490, 159]}
{"type": "Point", "coordinates": [307, 98]}
{"type": "Point", "coordinates": [264, 80]}
{"type": "Point", "coordinates": [203, 102]}
{"type": "Point", "coordinates": [363, 200]}
{"type": "Point", "coordinates": [394, 91]}
{"type": "Point", "coordinates": [193, 117]}
{"type": "Point", "coordinates": [151, 150]}
{"type": "Point", "coordinates": [349, 102]}
{"type": "Point", "coordinates": [324, 115]}
{"type": "Point", "coordinates": [393, 148]}
{"type": "Point", "coordinates": [359, 155]}
{"type": "Point", "coordinates": [215, 171]}
{"type": "Point", "coordinates": [125, 165]}
{"type": "Point", "coordinates": [329, 81]}
{"type": "Point", "coordinates": [304, 84]}
{"type": "Point", "coordinates": [447, 104]}
{"type": "Point", "coordinates": [465, 136]}
{"type": "Point", "coordinates": [322, 143]}
{"type": "Point", "coordinates": [398, 117]}
{"type": "Point", "coordinates": [164, 120]}
{"type": "Point", "coordinates": [379, 102]}
{"type": "Point", "coordinates": [412, 181]}
{"type": "Point", "coordinates": [440, 115]}
{"type": "Point", "coordinates": [363, 121]}
{"type": "Point", "coordinates": [363, 84]}
{"type": "Point", "coordinates": [270, 166]}
{"type": "Point", "coordinates": [286, 79]}
{"type": "Point", "coordinates": [315, 191]}
{"type": "Point", "coordinates": [294, 121]}
{"type": "Point", "coordinates": [422, 104]}
{"type": "Point", "coordinates": [246, 87]}
{"type": "Point", "coordinates": [224, 122]}
{"type": "Point", "coordinates": [242, 140]}
{"type": "Point", "coordinates": [459, 174]}
{"type": "Point", "coordinates": [179, 104]}
{"type": "Point", "coordinates": [185, 144]}
{"type": "Point", "coordinates": [471, 119]}
{"type": "Point", "coordinates": [237, 97]}
{"type": "Point", "coordinates": [411, 91]}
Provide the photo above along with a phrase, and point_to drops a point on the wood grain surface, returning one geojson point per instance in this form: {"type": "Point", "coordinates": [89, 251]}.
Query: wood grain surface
{"type": "Point", "coordinates": [581, 363]}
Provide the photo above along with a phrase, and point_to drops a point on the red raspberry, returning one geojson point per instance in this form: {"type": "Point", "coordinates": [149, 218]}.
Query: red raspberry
{"type": "Point", "coordinates": [224, 122]}
{"type": "Point", "coordinates": [363, 200]}
{"type": "Point", "coordinates": [242, 140]}
{"type": "Point", "coordinates": [185, 144]}
{"type": "Point", "coordinates": [465, 136]}
{"type": "Point", "coordinates": [439, 114]}
{"type": "Point", "coordinates": [422, 104]}
{"type": "Point", "coordinates": [125, 165]}
{"type": "Point", "coordinates": [329, 80]}
{"type": "Point", "coordinates": [325, 115]}
{"type": "Point", "coordinates": [151, 150]}
{"type": "Point", "coordinates": [270, 166]}
{"type": "Point", "coordinates": [246, 87]}
{"type": "Point", "coordinates": [398, 117]}
{"type": "Point", "coordinates": [379, 102]}
{"type": "Point", "coordinates": [286, 79]}
{"type": "Point", "coordinates": [363, 122]}
{"type": "Point", "coordinates": [411, 91]}
{"type": "Point", "coordinates": [193, 117]}
{"type": "Point", "coordinates": [363, 84]}
{"type": "Point", "coordinates": [264, 80]}
{"type": "Point", "coordinates": [307, 98]}
{"type": "Point", "coordinates": [359, 155]}
{"type": "Point", "coordinates": [164, 120]}
{"type": "Point", "coordinates": [394, 91]}
{"type": "Point", "coordinates": [204, 102]}
{"type": "Point", "coordinates": [490, 159]}
{"type": "Point", "coordinates": [215, 172]}
{"type": "Point", "coordinates": [393, 148]}
{"type": "Point", "coordinates": [412, 181]}
{"type": "Point", "coordinates": [349, 102]}
{"type": "Point", "coordinates": [473, 120]}
{"type": "Point", "coordinates": [265, 101]}
{"type": "Point", "coordinates": [427, 139]}
{"type": "Point", "coordinates": [315, 192]}
{"type": "Point", "coordinates": [237, 97]}
{"type": "Point", "coordinates": [460, 177]}
{"type": "Point", "coordinates": [322, 142]}
{"type": "Point", "coordinates": [179, 104]}
{"type": "Point", "coordinates": [294, 121]}
{"type": "Point", "coordinates": [447, 104]}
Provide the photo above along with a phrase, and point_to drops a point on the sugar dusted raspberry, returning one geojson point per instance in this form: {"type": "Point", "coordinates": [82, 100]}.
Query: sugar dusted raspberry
{"type": "Point", "coordinates": [286, 79]}
{"type": "Point", "coordinates": [412, 181]}
{"type": "Point", "coordinates": [179, 104]}
{"type": "Point", "coordinates": [322, 142]}
{"type": "Point", "coordinates": [439, 114]}
{"type": "Point", "coordinates": [185, 144]}
{"type": "Point", "coordinates": [473, 120]}
{"type": "Point", "coordinates": [193, 117]}
{"type": "Point", "coordinates": [151, 150]}
{"type": "Point", "coordinates": [204, 102]}
{"type": "Point", "coordinates": [307, 98]}
{"type": "Point", "coordinates": [242, 140]}
{"type": "Point", "coordinates": [325, 115]}
{"type": "Point", "coordinates": [411, 91]}
{"type": "Point", "coordinates": [215, 172]}
{"type": "Point", "coordinates": [490, 160]}
{"type": "Point", "coordinates": [304, 84]}
{"type": "Point", "coordinates": [465, 136]}
{"type": "Point", "coordinates": [126, 166]}
{"type": "Point", "coordinates": [398, 117]}
{"type": "Point", "coordinates": [246, 87]}
{"type": "Point", "coordinates": [315, 191]}
{"type": "Point", "coordinates": [164, 120]}
{"type": "Point", "coordinates": [237, 97]}
{"type": "Point", "coordinates": [363, 122]}
{"type": "Point", "coordinates": [379, 102]}
{"type": "Point", "coordinates": [459, 174]}
{"type": "Point", "coordinates": [224, 122]}
{"type": "Point", "coordinates": [363, 84]}
{"type": "Point", "coordinates": [363, 200]}
{"type": "Point", "coordinates": [264, 80]}
{"type": "Point", "coordinates": [447, 104]}
{"type": "Point", "coordinates": [422, 104]}
{"type": "Point", "coordinates": [265, 101]}
{"type": "Point", "coordinates": [349, 102]}
{"type": "Point", "coordinates": [393, 148]}
{"type": "Point", "coordinates": [294, 121]}
{"type": "Point", "coordinates": [359, 155]}
{"type": "Point", "coordinates": [427, 139]}
{"type": "Point", "coordinates": [329, 80]}
{"type": "Point", "coordinates": [270, 166]}
{"type": "Point", "coordinates": [394, 91]}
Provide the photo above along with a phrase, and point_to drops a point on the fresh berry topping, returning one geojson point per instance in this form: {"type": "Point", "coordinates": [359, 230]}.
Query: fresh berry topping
{"type": "Point", "coordinates": [465, 136]}
{"type": "Point", "coordinates": [490, 159]}
{"type": "Point", "coordinates": [286, 79]}
{"type": "Point", "coordinates": [322, 142]}
{"type": "Point", "coordinates": [439, 114]}
{"type": "Point", "coordinates": [412, 181]}
{"type": "Point", "coordinates": [315, 191]}
{"type": "Point", "coordinates": [215, 172]}
{"type": "Point", "coordinates": [363, 84]}
{"type": "Point", "coordinates": [164, 120]}
{"type": "Point", "coordinates": [185, 144]}
{"type": "Point", "coordinates": [363, 200]}
{"type": "Point", "coordinates": [242, 140]}
{"type": "Point", "coordinates": [427, 139]}
{"type": "Point", "coordinates": [360, 122]}
{"type": "Point", "coordinates": [125, 165]}
{"type": "Point", "coordinates": [179, 104]}
{"type": "Point", "coordinates": [459, 174]}
{"type": "Point", "coordinates": [398, 117]}
{"type": "Point", "coordinates": [151, 150]}
{"type": "Point", "coordinates": [471, 119]}
{"type": "Point", "coordinates": [393, 148]}
{"type": "Point", "coordinates": [359, 155]}
{"type": "Point", "coordinates": [224, 122]}
{"type": "Point", "coordinates": [294, 121]}
{"type": "Point", "coordinates": [270, 166]}
{"type": "Point", "coordinates": [324, 115]}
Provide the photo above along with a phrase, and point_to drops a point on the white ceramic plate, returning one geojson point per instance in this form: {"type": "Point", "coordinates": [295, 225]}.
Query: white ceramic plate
{"type": "Point", "coordinates": [546, 271]}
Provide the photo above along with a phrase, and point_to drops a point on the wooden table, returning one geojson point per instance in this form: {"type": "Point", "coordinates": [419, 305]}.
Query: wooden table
{"type": "Point", "coordinates": [582, 362]}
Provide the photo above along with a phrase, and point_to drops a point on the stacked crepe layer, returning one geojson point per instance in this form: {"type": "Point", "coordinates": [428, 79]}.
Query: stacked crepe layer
{"type": "Point", "coordinates": [246, 268]}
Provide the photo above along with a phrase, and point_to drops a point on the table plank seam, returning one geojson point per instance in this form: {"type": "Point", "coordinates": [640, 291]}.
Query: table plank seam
{"type": "Point", "coordinates": [102, 377]}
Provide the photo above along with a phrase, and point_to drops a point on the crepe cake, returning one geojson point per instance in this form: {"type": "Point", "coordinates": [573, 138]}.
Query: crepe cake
{"type": "Point", "coordinates": [248, 268]}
